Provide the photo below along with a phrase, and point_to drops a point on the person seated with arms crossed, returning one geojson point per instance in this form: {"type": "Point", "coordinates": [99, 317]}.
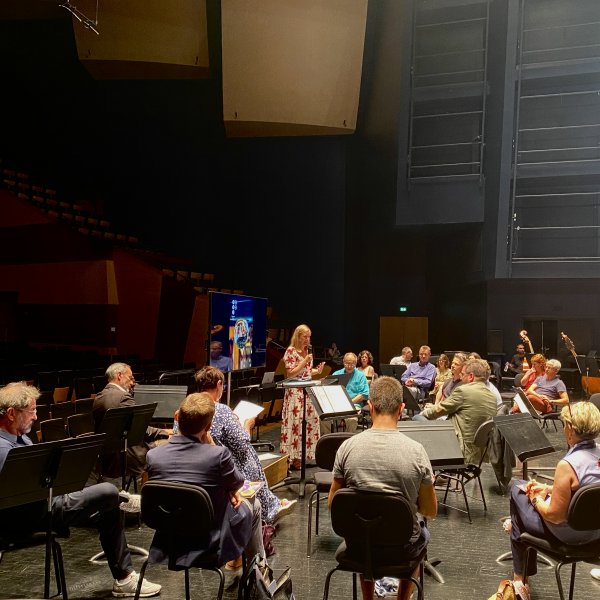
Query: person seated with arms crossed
{"type": "Point", "coordinates": [449, 386]}
{"type": "Point", "coordinates": [384, 459]}
{"type": "Point", "coordinates": [419, 377]}
{"type": "Point", "coordinates": [94, 506]}
{"type": "Point", "coordinates": [548, 389]}
{"type": "Point", "coordinates": [404, 358]}
{"type": "Point", "coordinates": [193, 457]}
{"type": "Point", "coordinates": [542, 510]}
{"type": "Point", "coordinates": [357, 388]}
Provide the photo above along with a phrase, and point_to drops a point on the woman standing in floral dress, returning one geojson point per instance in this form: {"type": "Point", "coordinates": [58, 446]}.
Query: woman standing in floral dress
{"type": "Point", "coordinates": [298, 362]}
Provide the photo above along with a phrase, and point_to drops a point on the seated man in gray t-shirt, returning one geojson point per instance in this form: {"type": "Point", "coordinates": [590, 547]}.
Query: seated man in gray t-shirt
{"type": "Point", "coordinates": [383, 459]}
{"type": "Point", "coordinates": [548, 389]}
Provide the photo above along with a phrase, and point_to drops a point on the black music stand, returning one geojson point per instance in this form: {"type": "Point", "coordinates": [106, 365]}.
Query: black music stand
{"type": "Point", "coordinates": [442, 447]}
{"type": "Point", "coordinates": [527, 441]}
{"type": "Point", "coordinates": [301, 481]}
{"type": "Point", "coordinates": [124, 427]}
{"type": "Point", "coordinates": [37, 473]}
{"type": "Point", "coordinates": [332, 402]}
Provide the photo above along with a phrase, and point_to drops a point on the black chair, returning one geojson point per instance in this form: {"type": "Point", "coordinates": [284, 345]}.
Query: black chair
{"type": "Point", "coordinates": [84, 405]}
{"type": "Point", "coordinates": [84, 387]}
{"type": "Point", "coordinates": [374, 525]}
{"type": "Point", "coordinates": [53, 430]}
{"type": "Point", "coordinates": [325, 451]}
{"type": "Point", "coordinates": [62, 410]}
{"type": "Point", "coordinates": [541, 418]}
{"type": "Point", "coordinates": [583, 515]}
{"type": "Point", "coordinates": [595, 400]}
{"type": "Point", "coordinates": [469, 471]}
{"type": "Point", "coordinates": [80, 424]}
{"type": "Point", "coordinates": [43, 414]}
{"type": "Point", "coordinates": [180, 512]}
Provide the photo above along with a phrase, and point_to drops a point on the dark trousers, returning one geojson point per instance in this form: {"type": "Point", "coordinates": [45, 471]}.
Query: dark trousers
{"type": "Point", "coordinates": [524, 517]}
{"type": "Point", "coordinates": [97, 506]}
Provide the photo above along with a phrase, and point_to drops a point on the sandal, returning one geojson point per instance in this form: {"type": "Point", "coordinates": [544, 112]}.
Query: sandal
{"type": "Point", "coordinates": [521, 590]}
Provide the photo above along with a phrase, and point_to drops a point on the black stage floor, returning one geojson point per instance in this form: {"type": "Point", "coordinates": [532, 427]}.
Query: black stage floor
{"type": "Point", "coordinates": [468, 554]}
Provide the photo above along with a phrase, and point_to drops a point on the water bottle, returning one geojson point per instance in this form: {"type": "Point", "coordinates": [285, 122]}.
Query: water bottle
{"type": "Point", "coordinates": [175, 427]}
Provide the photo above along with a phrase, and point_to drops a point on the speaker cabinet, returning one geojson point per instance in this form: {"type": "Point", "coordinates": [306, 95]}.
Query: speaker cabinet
{"type": "Point", "coordinates": [495, 341]}
{"type": "Point", "coordinates": [292, 67]}
{"type": "Point", "coordinates": [144, 39]}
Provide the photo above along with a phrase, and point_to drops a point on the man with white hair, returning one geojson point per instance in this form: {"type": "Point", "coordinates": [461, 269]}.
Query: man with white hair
{"type": "Point", "coordinates": [548, 389]}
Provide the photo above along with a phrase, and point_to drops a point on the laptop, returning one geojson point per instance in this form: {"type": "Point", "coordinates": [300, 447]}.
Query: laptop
{"type": "Point", "coordinates": [268, 380]}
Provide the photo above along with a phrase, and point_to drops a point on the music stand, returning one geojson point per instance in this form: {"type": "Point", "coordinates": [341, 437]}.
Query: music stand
{"type": "Point", "coordinates": [38, 472]}
{"type": "Point", "coordinates": [387, 369]}
{"type": "Point", "coordinates": [125, 427]}
{"type": "Point", "coordinates": [442, 447]}
{"type": "Point", "coordinates": [301, 481]}
{"type": "Point", "coordinates": [527, 441]}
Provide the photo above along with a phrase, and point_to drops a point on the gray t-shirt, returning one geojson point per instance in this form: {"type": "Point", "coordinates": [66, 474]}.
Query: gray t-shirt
{"type": "Point", "coordinates": [551, 388]}
{"type": "Point", "coordinates": [384, 460]}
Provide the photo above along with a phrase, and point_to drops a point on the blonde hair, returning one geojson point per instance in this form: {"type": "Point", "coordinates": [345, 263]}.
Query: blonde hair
{"type": "Point", "coordinates": [584, 418]}
{"type": "Point", "coordinates": [195, 413]}
{"type": "Point", "coordinates": [300, 330]}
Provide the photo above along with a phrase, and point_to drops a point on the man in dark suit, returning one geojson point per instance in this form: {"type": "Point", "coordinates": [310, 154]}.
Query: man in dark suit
{"type": "Point", "coordinates": [193, 457]}
{"type": "Point", "coordinates": [118, 393]}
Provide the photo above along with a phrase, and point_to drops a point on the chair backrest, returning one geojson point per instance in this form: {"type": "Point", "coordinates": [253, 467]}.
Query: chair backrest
{"type": "Point", "coordinates": [177, 508]}
{"type": "Point", "coordinates": [583, 510]}
{"type": "Point", "coordinates": [482, 437]}
{"type": "Point", "coordinates": [518, 379]}
{"type": "Point", "coordinates": [327, 447]}
{"type": "Point", "coordinates": [142, 414]}
{"type": "Point", "coordinates": [84, 405]}
{"type": "Point", "coordinates": [595, 400]}
{"type": "Point", "coordinates": [80, 424]}
{"type": "Point", "coordinates": [62, 410]}
{"type": "Point", "coordinates": [53, 430]}
{"type": "Point", "coordinates": [368, 519]}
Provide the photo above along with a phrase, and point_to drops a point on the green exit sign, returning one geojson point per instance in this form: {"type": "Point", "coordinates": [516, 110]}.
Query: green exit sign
{"type": "Point", "coordinates": [404, 309]}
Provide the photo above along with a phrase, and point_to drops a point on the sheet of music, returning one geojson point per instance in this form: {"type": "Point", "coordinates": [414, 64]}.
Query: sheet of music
{"type": "Point", "coordinates": [332, 398]}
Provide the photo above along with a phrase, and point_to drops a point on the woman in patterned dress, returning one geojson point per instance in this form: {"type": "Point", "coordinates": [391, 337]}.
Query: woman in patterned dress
{"type": "Point", "coordinates": [226, 430]}
{"type": "Point", "coordinates": [299, 364]}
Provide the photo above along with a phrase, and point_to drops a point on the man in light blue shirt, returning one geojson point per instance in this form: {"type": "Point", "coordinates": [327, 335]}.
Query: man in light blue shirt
{"type": "Point", "coordinates": [419, 377]}
{"type": "Point", "coordinates": [357, 388]}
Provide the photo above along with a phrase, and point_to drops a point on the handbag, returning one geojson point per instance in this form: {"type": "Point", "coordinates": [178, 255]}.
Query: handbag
{"type": "Point", "coordinates": [506, 591]}
{"type": "Point", "coordinates": [258, 582]}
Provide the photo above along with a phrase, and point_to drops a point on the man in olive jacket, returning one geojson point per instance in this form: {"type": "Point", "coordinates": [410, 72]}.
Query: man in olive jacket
{"type": "Point", "coordinates": [468, 406]}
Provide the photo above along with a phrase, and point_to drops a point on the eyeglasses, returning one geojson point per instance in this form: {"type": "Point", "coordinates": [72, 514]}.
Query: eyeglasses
{"type": "Point", "coordinates": [31, 411]}
{"type": "Point", "coordinates": [349, 364]}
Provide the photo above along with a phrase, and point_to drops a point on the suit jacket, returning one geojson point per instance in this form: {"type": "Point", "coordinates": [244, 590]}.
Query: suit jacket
{"type": "Point", "coordinates": [112, 396]}
{"type": "Point", "coordinates": [468, 406]}
{"type": "Point", "coordinates": [186, 460]}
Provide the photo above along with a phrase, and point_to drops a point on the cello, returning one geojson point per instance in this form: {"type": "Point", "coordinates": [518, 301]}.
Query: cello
{"type": "Point", "coordinates": [591, 385]}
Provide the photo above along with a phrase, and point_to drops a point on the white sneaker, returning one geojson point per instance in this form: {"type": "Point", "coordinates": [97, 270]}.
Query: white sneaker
{"type": "Point", "coordinates": [595, 573]}
{"type": "Point", "coordinates": [126, 588]}
{"type": "Point", "coordinates": [132, 504]}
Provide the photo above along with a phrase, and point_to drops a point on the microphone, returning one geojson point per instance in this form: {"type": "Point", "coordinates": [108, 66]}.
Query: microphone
{"type": "Point", "coordinates": [309, 349]}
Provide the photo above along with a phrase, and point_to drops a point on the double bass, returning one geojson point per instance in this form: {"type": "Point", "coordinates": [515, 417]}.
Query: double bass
{"type": "Point", "coordinates": [591, 385]}
{"type": "Point", "coordinates": [526, 340]}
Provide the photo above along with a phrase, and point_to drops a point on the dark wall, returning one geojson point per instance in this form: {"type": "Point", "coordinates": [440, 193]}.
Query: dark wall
{"type": "Point", "coordinates": [327, 228]}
